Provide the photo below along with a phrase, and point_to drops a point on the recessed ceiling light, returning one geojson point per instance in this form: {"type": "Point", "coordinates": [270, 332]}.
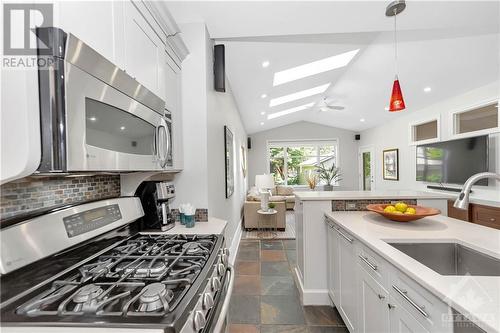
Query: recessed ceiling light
{"type": "Point", "coordinates": [262, 113]}
{"type": "Point", "coordinates": [362, 120]}
{"type": "Point", "coordinates": [314, 67]}
{"type": "Point", "coordinates": [427, 89]}
{"type": "Point", "coordinates": [93, 119]}
{"type": "Point", "coordinates": [122, 128]}
{"type": "Point", "coordinates": [299, 95]}
{"type": "Point", "coordinates": [265, 64]}
{"type": "Point", "coordinates": [261, 123]}
{"type": "Point", "coordinates": [288, 111]}
{"type": "Point", "coordinates": [263, 96]}
{"type": "Point", "coordinates": [386, 108]}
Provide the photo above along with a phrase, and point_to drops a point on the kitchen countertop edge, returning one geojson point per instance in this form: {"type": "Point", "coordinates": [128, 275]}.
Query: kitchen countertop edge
{"type": "Point", "coordinates": [411, 272]}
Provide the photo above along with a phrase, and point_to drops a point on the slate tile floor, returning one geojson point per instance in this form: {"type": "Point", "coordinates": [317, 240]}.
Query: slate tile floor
{"type": "Point", "coordinates": [265, 299]}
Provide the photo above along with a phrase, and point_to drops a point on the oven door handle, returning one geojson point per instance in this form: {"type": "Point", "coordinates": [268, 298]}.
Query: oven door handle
{"type": "Point", "coordinates": [225, 307]}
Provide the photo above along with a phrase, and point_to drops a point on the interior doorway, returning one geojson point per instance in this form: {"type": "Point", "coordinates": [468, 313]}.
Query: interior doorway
{"type": "Point", "coordinates": [366, 168]}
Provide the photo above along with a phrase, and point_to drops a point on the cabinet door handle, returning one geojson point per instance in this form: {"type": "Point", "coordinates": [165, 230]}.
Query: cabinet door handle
{"type": "Point", "coordinates": [409, 300]}
{"type": "Point", "coordinates": [365, 259]}
{"type": "Point", "coordinates": [381, 296]}
{"type": "Point", "coordinates": [390, 306]}
{"type": "Point", "coordinates": [350, 240]}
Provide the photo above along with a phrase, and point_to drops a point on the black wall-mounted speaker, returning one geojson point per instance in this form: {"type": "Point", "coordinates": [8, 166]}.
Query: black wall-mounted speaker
{"type": "Point", "coordinates": [357, 136]}
{"type": "Point", "coordinates": [219, 68]}
{"type": "Point", "coordinates": [249, 143]}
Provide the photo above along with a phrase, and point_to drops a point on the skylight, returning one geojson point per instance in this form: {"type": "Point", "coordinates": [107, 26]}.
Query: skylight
{"type": "Point", "coordinates": [299, 95]}
{"type": "Point", "coordinates": [288, 111]}
{"type": "Point", "coordinates": [314, 67]}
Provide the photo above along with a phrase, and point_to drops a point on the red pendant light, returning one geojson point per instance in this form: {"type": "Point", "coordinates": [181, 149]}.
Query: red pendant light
{"type": "Point", "coordinates": [397, 102]}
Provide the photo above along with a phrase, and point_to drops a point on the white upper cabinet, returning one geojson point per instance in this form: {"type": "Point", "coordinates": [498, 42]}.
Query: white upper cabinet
{"type": "Point", "coordinates": [143, 49]}
{"type": "Point", "coordinates": [92, 22]}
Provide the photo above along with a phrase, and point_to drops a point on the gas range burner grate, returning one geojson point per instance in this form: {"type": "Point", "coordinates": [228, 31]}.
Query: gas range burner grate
{"type": "Point", "coordinates": [146, 276]}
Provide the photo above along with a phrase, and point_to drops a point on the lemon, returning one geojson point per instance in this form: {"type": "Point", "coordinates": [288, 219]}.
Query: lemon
{"type": "Point", "coordinates": [397, 212]}
{"type": "Point", "coordinates": [401, 206]}
{"type": "Point", "coordinates": [410, 211]}
{"type": "Point", "coordinates": [389, 209]}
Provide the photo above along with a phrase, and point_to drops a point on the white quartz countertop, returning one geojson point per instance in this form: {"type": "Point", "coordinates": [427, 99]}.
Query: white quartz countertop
{"type": "Point", "coordinates": [361, 195]}
{"type": "Point", "coordinates": [212, 226]}
{"type": "Point", "coordinates": [491, 198]}
{"type": "Point", "coordinates": [476, 297]}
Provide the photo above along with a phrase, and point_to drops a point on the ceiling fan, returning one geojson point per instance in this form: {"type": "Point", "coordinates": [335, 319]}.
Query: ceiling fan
{"type": "Point", "coordinates": [326, 105]}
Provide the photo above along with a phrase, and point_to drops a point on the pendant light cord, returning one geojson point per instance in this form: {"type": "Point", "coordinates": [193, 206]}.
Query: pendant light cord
{"type": "Point", "coordinates": [395, 43]}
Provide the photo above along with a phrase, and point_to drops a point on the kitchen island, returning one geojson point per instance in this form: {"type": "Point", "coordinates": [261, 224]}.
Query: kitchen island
{"type": "Point", "coordinates": [311, 271]}
{"type": "Point", "coordinates": [424, 287]}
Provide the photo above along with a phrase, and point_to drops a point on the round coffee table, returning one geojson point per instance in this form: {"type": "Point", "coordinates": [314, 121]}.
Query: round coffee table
{"type": "Point", "coordinates": [269, 215]}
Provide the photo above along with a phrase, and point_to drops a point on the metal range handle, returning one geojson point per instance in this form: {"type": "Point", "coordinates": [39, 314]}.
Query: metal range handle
{"type": "Point", "coordinates": [372, 266]}
{"type": "Point", "coordinates": [225, 307]}
{"type": "Point", "coordinates": [350, 240]}
{"type": "Point", "coordinates": [412, 303]}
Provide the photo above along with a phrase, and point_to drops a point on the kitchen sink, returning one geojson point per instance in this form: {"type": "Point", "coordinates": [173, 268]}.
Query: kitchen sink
{"type": "Point", "coordinates": [451, 258]}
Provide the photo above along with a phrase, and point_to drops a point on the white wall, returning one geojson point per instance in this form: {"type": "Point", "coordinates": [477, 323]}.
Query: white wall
{"type": "Point", "coordinates": [348, 149]}
{"type": "Point", "coordinates": [395, 134]}
{"type": "Point", "coordinates": [205, 112]}
{"type": "Point", "coordinates": [222, 110]}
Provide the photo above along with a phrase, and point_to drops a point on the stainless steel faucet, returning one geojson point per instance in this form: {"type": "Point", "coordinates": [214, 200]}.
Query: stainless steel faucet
{"type": "Point", "coordinates": [462, 202]}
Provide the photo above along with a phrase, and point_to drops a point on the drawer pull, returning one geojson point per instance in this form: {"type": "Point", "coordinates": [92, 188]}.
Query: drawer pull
{"type": "Point", "coordinates": [390, 306]}
{"type": "Point", "coordinates": [350, 240]}
{"type": "Point", "coordinates": [492, 219]}
{"type": "Point", "coordinates": [365, 259]}
{"type": "Point", "coordinates": [381, 296]}
{"type": "Point", "coordinates": [409, 300]}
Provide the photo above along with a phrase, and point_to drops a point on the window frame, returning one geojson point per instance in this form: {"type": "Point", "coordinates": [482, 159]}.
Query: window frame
{"type": "Point", "coordinates": [412, 130]}
{"type": "Point", "coordinates": [298, 143]}
{"type": "Point", "coordinates": [454, 121]}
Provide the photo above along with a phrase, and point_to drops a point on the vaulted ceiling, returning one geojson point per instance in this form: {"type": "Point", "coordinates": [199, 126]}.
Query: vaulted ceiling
{"type": "Point", "coordinates": [449, 47]}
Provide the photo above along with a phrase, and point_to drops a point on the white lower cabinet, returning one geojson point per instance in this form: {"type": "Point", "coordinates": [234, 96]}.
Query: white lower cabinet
{"type": "Point", "coordinates": [373, 296]}
{"type": "Point", "coordinates": [342, 275]}
{"type": "Point", "coordinates": [401, 321]}
{"type": "Point", "coordinates": [372, 302]}
{"type": "Point", "coordinates": [347, 288]}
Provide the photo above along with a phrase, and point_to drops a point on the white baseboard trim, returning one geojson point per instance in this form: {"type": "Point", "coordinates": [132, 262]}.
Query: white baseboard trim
{"type": "Point", "coordinates": [235, 244]}
{"type": "Point", "coordinates": [310, 296]}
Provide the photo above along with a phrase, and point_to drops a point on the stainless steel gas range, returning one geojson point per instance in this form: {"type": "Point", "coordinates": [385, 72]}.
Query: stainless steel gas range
{"type": "Point", "coordinates": [90, 268]}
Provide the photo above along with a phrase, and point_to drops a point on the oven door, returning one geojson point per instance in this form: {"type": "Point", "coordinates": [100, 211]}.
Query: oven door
{"type": "Point", "coordinates": [108, 130]}
{"type": "Point", "coordinates": [217, 320]}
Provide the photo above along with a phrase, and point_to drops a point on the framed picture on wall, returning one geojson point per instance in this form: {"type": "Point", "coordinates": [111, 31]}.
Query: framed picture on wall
{"type": "Point", "coordinates": [390, 160]}
{"type": "Point", "coordinates": [244, 162]}
{"type": "Point", "coordinates": [229, 161]}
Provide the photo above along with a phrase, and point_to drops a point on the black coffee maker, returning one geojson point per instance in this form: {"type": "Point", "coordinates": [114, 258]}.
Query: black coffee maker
{"type": "Point", "coordinates": [156, 198]}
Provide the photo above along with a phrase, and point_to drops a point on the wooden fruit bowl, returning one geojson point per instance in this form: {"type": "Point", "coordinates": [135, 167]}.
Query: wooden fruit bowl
{"type": "Point", "coordinates": [420, 213]}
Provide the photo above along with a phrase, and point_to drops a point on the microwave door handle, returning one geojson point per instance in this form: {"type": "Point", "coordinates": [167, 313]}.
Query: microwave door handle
{"type": "Point", "coordinates": [168, 143]}
{"type": "Point", "coordinates": [161, 145]}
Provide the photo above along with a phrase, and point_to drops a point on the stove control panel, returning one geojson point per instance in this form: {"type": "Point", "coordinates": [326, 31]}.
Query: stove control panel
{"type": "Point", "coordinates": [91, 219]}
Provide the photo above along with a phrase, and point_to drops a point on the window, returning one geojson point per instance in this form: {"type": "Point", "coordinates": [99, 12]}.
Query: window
{"type": "Point", "coordinates": [291, 162]}
{"type": "Point", "coordinates": [477, 119]}
{"type": "Point", "coordinates": [424, 131]}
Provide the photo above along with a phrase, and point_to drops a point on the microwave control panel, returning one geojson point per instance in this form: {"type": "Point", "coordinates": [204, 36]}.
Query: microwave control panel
{"type": "Point", "coordinates": [91, 219]}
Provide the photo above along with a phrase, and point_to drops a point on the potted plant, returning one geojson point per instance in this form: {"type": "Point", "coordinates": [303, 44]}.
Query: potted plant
{"type": "Point", "coordinates": [271, 205]}
{"type": "Point", "coordinates": [312, 180]}
{"type": "Point", "coordinates": [330, 174]}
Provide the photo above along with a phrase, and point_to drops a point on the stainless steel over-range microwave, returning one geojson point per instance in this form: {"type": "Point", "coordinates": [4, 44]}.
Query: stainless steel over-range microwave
{"type": "Point", "coordinates": [94, 116]}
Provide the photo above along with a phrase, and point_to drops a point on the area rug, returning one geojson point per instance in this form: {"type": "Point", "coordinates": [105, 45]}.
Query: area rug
{"type": "Point", "coordinates": [289, 232]}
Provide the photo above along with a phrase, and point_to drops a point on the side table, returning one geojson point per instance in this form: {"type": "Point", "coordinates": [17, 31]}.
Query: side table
{"type": "Point", "coordinates": [267, 216]}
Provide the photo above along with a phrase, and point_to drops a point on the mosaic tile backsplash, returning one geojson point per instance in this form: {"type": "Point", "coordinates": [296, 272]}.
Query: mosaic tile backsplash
{"type": "Point", "coordinates": [33, 193]}
{"type": "Point", "coordinates": [359, 205]}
